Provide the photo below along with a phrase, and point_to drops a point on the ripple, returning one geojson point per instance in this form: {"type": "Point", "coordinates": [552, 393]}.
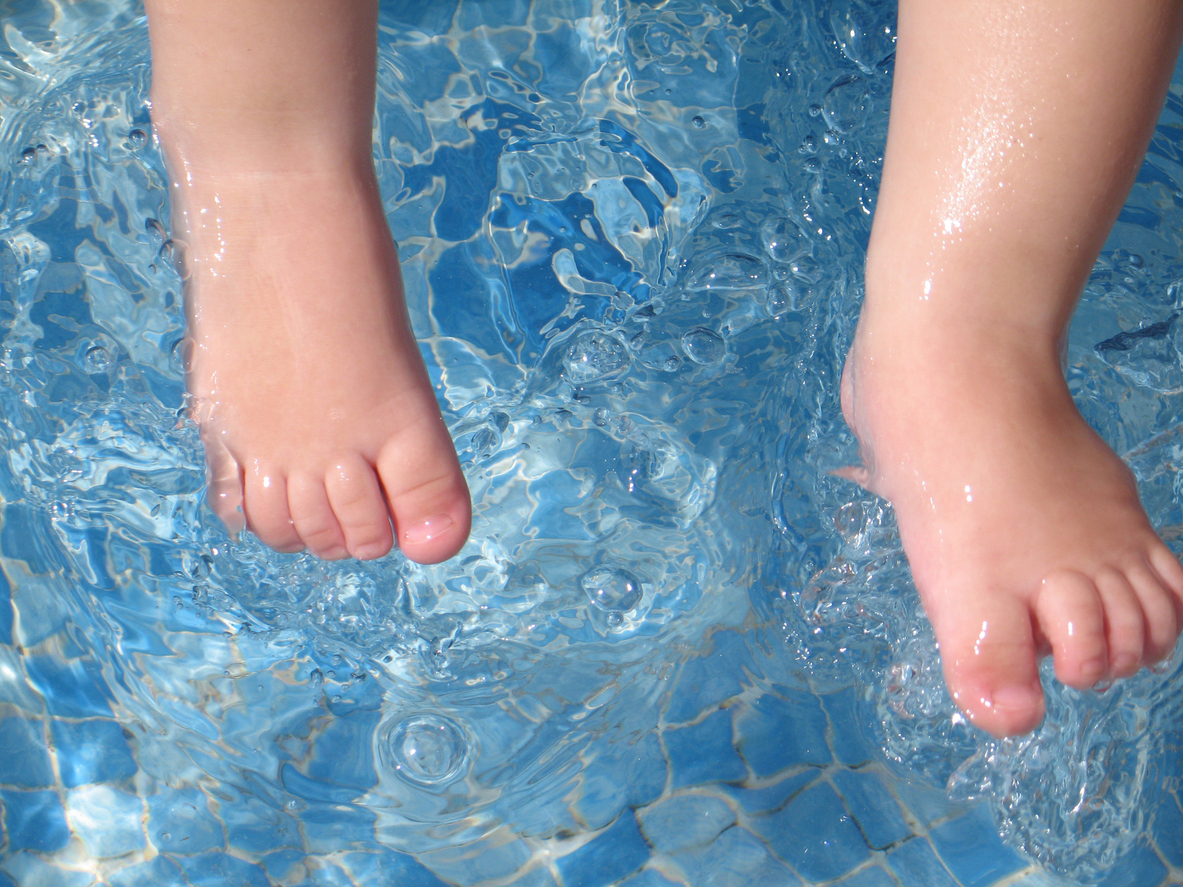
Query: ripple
{"type": "Point", "coordinates": [427, 749]}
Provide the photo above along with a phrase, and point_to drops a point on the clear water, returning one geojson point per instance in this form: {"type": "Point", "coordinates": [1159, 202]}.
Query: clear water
{"type": "Point", "coordinates": [677, 650]}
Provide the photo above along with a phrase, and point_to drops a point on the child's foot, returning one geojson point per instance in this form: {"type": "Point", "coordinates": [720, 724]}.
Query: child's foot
{"type": "Point", "coordinates": [318, 417]}
{"type": "Point", "coordinates": [1023, 529]}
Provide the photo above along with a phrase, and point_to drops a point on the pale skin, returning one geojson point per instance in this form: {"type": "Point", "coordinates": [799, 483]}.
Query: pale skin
{"type": "Point", "coordinates": [1017, 128]}
{"type": "Point", "coordinates": [320, 424]}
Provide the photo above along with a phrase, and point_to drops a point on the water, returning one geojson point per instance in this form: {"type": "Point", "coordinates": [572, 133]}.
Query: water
{"type": "Point", "coordinates": [677, 649]}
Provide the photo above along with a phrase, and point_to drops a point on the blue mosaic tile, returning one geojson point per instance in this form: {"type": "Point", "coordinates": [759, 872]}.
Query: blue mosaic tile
{"type": "Point", "coordinates": [704, 752]}
{"type": "Point", "coordinates": [284, 866]}
{"type": "Point", "coordinates": [180, 822]}
{"type": "Point", "coordinates": [29, 870]}
{"type": "Point", "coordinates": [873, 807]}
{"type": "Point", "coordinates": [35, 821]}
{"type": "Point", "coordinates": [915, 862]}
{"type": "Point", "coordinates": [91, 751]}
{"type": "Point", "coordinates": [160, 871]}
{"type": "Point", "coordinates": [737, 859]}
{"type": "Point", "coordinates": [926, 803]}
{"type": "Point", "coordinates": [1168, 829]}
{"type": "Point", "coordinates": [328, 829]}
{"type": "Point", "coordinates": [6, 881]}
{"type": "Point", "coordinates": [106, 819]}
{"type": "Point", "coordinates": [73, 689]}
{"type": "Point", "coordinates": [1141, 868]}
{"type": "Point", "coordinates": [706, 681]}
{"type": "Point", "coordinates": [971, 849]}
{"type": "Point", "coordinates": [685, 821]}
{"type": "Point", "coordinates": [847, 738]}
{"type": "Point", "coordinates": [771, 797]}
{"type": "Point", "coordinates": [389, 867]}
{"type": "Point", "coordinates": [257, 827]}
{"type": "Point", "coordinates": [815, 834]}
{"type": "Point", "coordinates": [489, 858]}
{"type": "Point", "coordinates": [649, 878]}
{"type": "Point", "coordinates": [6, 613]}
{"type": "Point", "coordinates": [629, 775]}
{"type": "Point", "coordinates": [24, 761]}
{"type": "Point", "coordinates": [617, 851]}
{"type": "Point", "coordinates": [221, 870]}
{"type": "Point", "coordinates": [777, 733]}
{"type": "Point", "coordinates": [869, 877]}
{"type": "Point", "coordinates": [344, 752]}
{"type": "Point", "coordinates": [315, 790]}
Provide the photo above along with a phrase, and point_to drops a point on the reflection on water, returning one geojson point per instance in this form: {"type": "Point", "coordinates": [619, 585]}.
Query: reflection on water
{"type": "Point", "coordinates": [632, 238]}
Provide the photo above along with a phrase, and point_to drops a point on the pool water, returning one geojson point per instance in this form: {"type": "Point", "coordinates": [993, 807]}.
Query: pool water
{"type": "Point", "coordinates": [676, 650]}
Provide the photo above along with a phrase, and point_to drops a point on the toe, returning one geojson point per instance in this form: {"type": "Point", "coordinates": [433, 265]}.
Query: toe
{"type": "Point", "coordinates": [224, 490]}
{"type": "Point", "coordinates": [427, 494]}
{"type": "Point", "coordinates": [313, 517]}
{"type": "Point", "coordinates": [1170, 571]}
{"type": "Point", "coordinates": [1158, 609]}
{"type": "Point", "coordinates": [360, 507]}
{"type": "Point", "coordinates": [988, 652]}
{"type": "Point", "coordinates": [265, 504]}
{"type": "Point", "coordinates": [1069, 610]}
{"type": "Point", "coordinates": [1125, 629]}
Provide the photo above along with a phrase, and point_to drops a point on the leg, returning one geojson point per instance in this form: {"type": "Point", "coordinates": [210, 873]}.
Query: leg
{"type": "Point", "coordinates": [315, 408]}
{"type": "Point", "coordinates": [1017, 128]}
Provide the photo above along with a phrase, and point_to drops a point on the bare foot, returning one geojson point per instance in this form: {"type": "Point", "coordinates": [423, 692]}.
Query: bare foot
{"type": "Point", "coordinates": [318, 417]}
{"type": "Point", "coordinates": [1023, 529]}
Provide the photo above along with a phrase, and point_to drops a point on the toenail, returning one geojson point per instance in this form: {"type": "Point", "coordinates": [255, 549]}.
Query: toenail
{"type": "Point", "coordinates": [417, 534]}
{"type": "Point", "coordinates": [335, 554]}
{"type": "Point", "coordinates": [1018, 697]}
{"type": "Point", "coordinates": [1093, 668]}
{"type": "Point", "coordinates": [1124, 664]}
{"type": "Point", "coordinates": [370, 551]}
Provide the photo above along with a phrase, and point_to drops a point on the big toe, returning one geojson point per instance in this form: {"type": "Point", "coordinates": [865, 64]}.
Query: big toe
{"type": "Point", "coordinates": [427, 493]}
{"type": "Point", "coordinates": [991, 666]}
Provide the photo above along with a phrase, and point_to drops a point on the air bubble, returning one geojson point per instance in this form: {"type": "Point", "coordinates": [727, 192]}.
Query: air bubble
{"type": "Point", "coordinates": [612, 589]}
{"type": "Point", "coordinates": [728, 272]}
{"type": "Point", "coordinates": [137, 138]}
{"type": "Point", "coordinates": [593, 355]}
{"type": "Point", "coordinates": [703, 346]}
{"type": "Point", "coordinates": [699, 123]}
{"type": "Point", "coordinates": [846, 104]}
{"type": "Point", "coordinates": [428, 749]}
{"type": "Point", "coordinates": [316, 678]}
{"type": "Point", "coordinates": [783, 240]}
{"type": "Point", "coordinates": [28, 155]}
{"type": "Point", "coordinates": [672, 364]}
{"type": "Point", "coordinates": [97, 359]}
{"type": "Point", "coordinates": [864, 31]}
{"type": "Point", "coordinates": [601, 417]}
{"type": "Point", "coordinates": [782, 297]}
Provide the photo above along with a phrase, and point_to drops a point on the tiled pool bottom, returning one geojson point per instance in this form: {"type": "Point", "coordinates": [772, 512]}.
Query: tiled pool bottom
{"type": "Point", "coordinates": [743, 788]}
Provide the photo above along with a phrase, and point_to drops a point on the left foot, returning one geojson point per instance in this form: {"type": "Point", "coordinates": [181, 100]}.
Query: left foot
{"type": "Point", "coordinates": [1023, 529]}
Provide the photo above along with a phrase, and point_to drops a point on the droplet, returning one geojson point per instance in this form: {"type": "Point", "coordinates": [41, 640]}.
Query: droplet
{"type": "Point", "coordinates": [703, 346]}
{"type": "Point", "coordinates": [428, 749]}
{"type": "Point", "coordinates": [782, 297]}
{"type": "Point", "coordinates": [593, 355]}
{"type": "Point", "coordinates": [783, 240]}
{"type": "Point", "coordinates": [1136, 260]}
{"type": "Point", "coordinates": [601, 417]}
{"type": "Point", "coordinates": [97, 359]}
{"type": "Point", "coordinates": [611, 588]}
{"type": "Point", "coordinates": [672, 364]}
{"type": "Point", "coordinates": [137, 138]}
{"type": "Point", "coordinates": [698, 123]}
{"type": "Point", "coordinates": [615, 620]}
{"type": "Point", "coordinates": [28, 155]}
{"type": "Point", "coordinates": [316, 678]}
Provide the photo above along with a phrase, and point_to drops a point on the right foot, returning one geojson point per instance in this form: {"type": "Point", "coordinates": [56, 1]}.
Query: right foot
{"type": "Point", "coordinates": [1023, 529]}
{"type": "Point", "coordinates": [320, 424]}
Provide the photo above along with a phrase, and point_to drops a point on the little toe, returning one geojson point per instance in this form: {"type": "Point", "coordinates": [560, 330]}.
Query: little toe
{"type": "Point", "coordinates": [358, 502]}
{"type": "Point", "coordinates": [1072, 618]}
{"type": "Point", "coordinates": [313, 517]}
{"type": "Point", "coordinates": [428, 497]}
{"type": "Point", "coordinates": [265, 505]}
{"type": "Point", "coordinates": [1158, 609]}
{"type": "Point", "coordinates": [1170, 571]}
{"type": "Point", "coordinates": [988, 652]}
{"type": "Point", "coordinates": [1125, 629]}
